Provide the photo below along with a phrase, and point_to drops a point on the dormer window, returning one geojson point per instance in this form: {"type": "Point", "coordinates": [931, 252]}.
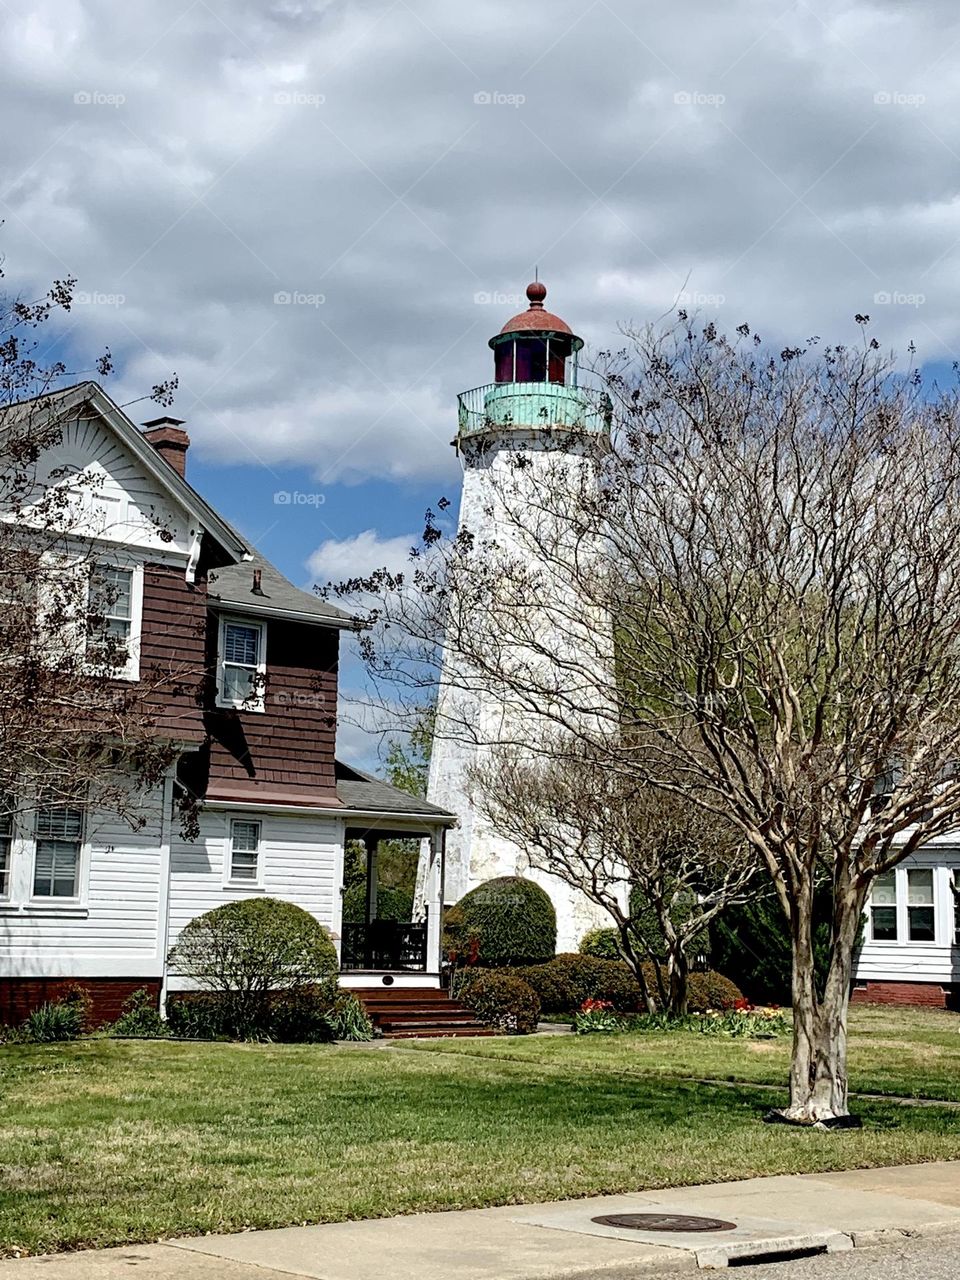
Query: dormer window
{"type": "Point", "coordinates": [242, 664]}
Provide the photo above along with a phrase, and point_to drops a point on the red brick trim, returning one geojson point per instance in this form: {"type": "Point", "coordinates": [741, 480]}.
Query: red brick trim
{"type": "Point", "coordinates": [930, 994]}
{"type": "Point", "coordinates": [20, 996]}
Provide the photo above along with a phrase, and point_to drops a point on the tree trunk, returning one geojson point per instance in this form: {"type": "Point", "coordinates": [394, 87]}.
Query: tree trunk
{"type": "Point", "coordinates": [678, 969]}
{"type": "Point", "coordinates": [818, 1070]}
{"type": "Point", "coordinates": [635, 963]}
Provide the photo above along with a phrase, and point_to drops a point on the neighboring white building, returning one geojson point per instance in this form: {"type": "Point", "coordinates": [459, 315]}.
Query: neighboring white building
{"type": "Point", "coordinates": [911, 941]}
{"type": "Point", "coordinates": [535, 412]}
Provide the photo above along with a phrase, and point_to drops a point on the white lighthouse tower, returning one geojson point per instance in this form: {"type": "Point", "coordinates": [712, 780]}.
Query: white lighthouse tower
{"type": "Point", "coordinates": [525, 434]}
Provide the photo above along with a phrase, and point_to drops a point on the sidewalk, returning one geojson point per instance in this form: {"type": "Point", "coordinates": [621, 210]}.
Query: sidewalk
{"type": "Point", "coordinates": [833, 1211]}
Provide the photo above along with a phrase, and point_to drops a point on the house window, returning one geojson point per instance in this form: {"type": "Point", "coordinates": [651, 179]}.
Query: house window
{"type": "Point", "coordinates": [110, 612]}
{"type": "Point", "coordinates": [883, 908]}
{"type": "Point", "coordinates": [242, 665]}
{"type": "Point", "coordinates": [244, 850]}
{"type": "Point", "coordinates": [6, 844]}
{"type": "Point", "coordinates": [920, 906]}
{"type": "Point", "coordinates": [56, 867]}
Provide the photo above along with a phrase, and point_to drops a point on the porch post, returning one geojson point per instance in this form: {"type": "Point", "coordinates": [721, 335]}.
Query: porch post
{"type": "Point", "coordinates": [434, 896]}
{"type": "Point", "coordinates": [372, 844]}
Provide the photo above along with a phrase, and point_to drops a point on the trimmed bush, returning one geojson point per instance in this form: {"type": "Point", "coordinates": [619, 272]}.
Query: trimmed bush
{"type": "Point", "coordinates": [507, 921]}
{"type": "Point", "coordinates": [711, 991]}
{"type": "Point", "coordinates": [565, 982]}
{"type": "Point", "coordinates": [502, 1000]}
{"type": "Point", "coordinates": [392, 904]}
{"type": "Point", "coordinates": [246, 954]}
{"type": "Point", "coordinates": [603, 944]}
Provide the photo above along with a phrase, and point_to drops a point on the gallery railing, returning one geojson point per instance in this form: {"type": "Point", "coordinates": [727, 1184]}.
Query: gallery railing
{"type": "Point", "coordinates": [384, 944]}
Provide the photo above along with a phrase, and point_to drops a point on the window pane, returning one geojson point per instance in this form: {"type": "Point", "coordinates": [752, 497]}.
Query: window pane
{"type": "Point", "coordinates": [238, 684]}
{"type": "Point", "coordinates": [243, 866]}
{"type": "Point", "coordinates": [4, 867]}
{"type": "Point", "coordinates": [60, 822]}
{"type": "Point", "coordinates": [884, 893]}
{"type": "Point", "coordinates": [241, 644]}
{"type": "Point", "coordinates": [55, 869]}
{"type": "Point", "coordinates": [922, 924]}
{"type": "Point", "coordinates": [920, 887]}
{"type": "Point", "coordinates": [246, 836]}
{"type": "Point", "coordinates": [110, 591]}
{"type": "Point", "coordinates": [884, 924]}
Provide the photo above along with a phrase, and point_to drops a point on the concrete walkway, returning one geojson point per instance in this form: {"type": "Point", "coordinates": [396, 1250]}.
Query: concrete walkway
{"type": "Point", "coordinates": [559, 1241]}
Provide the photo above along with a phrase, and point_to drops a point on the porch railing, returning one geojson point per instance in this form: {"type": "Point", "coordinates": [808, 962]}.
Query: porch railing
{"type": "Point", "coordinates": [384, 944]}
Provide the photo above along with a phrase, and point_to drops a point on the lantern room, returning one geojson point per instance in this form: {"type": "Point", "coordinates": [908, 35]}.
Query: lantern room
{"type": "Point", "coordinates": [536, 346]}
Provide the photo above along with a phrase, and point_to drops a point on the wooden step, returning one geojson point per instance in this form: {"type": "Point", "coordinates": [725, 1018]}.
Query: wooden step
{"type": "Point", "coordinates": [410, 1012]}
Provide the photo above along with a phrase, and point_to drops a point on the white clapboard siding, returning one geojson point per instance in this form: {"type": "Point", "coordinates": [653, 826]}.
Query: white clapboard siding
{"type": "Point", "coordinates": [114, 928]}
{"type": "Point", "coordinates": [120, 502]}
{"type": "Point", "coordinates": [906, 961]}
{"type": "Point", "coordinates": [300, 858]}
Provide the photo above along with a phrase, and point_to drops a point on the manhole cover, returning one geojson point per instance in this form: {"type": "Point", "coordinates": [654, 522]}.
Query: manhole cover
{"type": "Point", "coordinates": [663, 1222]}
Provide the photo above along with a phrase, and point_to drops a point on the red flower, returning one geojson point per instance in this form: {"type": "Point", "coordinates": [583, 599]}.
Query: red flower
{"type": "Point", "coordinates": [592, 1006]}
{"type": "Point", "coordinates": [741, 1005]}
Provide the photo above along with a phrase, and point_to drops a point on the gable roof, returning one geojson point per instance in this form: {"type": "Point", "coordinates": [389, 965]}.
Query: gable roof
{"type": "Point", "coordinates": [59, 404]}
{"type": "Point", "coordinates": [233, 587]}
{"type": "Point", "coordinates": [359, 790]}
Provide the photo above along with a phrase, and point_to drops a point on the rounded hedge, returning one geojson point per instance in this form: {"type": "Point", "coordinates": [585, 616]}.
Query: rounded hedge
{"type": "Point", "coordinates": [392, 904]}
{"type": "Point", "coordinates": [564, 982]}
{"type": "Point", "coordinates": [502, 1000]}
{"type": "Point", "coordinates": [711, 991]}
{"type": "Point", "coordinates": [507, 921]}
{"type": "Point", "coordinates": [248, 951]}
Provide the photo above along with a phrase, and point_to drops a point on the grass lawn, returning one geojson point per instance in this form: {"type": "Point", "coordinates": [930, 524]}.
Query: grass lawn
{"type": "Point", "coordinates": [912, 1053]}
{"type": "Point", "coordinates": [107, 1142]}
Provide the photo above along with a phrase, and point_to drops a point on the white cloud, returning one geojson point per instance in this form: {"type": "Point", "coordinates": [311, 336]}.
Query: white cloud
{"type": "Point", "coordinates": [791, 164]}
{"type": "Point", "coordinates": [337, 560]}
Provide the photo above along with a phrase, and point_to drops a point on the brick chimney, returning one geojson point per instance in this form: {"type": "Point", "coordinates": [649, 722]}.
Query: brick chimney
{"type": "Point", "coordinates": [170, 441]}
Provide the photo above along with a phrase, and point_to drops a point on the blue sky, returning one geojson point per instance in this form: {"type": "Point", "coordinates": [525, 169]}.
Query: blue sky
{"type": "Point", "coordinates": [317, 212]}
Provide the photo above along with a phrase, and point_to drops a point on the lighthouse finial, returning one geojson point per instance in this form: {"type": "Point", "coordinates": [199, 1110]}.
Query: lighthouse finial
{"type": "Point", "coordinates": [536, 292]}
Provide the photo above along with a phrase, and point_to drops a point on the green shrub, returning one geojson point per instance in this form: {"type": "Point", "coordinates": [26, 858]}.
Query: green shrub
{"type": "Point", "coordinates": [502, 1000]}
{"type": "Point", "coordinates": [392, 904]}
{"type": "Point", "coordinates": [711, 991]}
{"type": "Point", "coordinates": [57, 1020]}
{"type": "Point", "coordinates": [139, 1016]}
{"type": "Point", "coordinates": [566, 981]}
{"type": "Point", "coordinates": [604, 944]}
{"type": "Point", "coordinates": [348, 1018]}
{"type": "Point", "coordinates": [508, 921]}
{"type": "Point", "coordinates": [301, 1016]}
{"type": "Point", "coordinates": [199, 1015]}
{"type": "Point", "coordinates": [247, 952]}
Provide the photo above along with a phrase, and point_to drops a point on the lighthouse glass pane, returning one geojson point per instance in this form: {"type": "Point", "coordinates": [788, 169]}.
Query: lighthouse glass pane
{"type": "Point", "coordinates": [531, 360]}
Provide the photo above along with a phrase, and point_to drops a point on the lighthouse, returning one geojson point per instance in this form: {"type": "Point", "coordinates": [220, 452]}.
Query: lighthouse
{"type": "Point", "coordinates": [532, 431]}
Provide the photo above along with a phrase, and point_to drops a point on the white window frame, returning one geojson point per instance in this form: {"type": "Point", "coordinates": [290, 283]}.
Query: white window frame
{"type": "Point", "coordinates": [229, 879]}
{"type": "Point", "coordinates": [886, 942]}
{"type": "Point", "coordinates": [901, 875]}
{"type": "Point", "coordinates": [49, 902]}
{"type": "Point", "coordinates": [8, 819]}
{"type": "Point", "coordinates": [131, 669]}
{"type": "Point", "coordinates": [257, 703]}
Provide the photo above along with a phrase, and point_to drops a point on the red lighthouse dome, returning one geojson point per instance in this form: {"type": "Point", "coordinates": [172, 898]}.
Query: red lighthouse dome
{"type": "Point", "coordinates": [534, 345]}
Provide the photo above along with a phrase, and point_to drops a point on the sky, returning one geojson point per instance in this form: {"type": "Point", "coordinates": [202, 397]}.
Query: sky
{"type": "Point", "coordinates": [316, 213]}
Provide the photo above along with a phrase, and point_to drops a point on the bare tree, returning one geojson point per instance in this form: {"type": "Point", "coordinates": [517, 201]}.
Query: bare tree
{"type": "Point", "coordinates": [71, 732]}
{"type": "Point", "coordinates": [625, 845]}
{"type": "Point", "coordinates": [775, 541]}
